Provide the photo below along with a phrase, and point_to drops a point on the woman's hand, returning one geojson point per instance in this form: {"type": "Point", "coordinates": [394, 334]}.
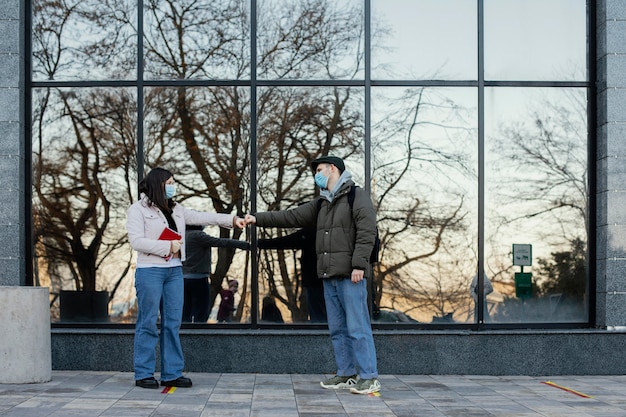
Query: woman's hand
{"type": "Point", "coordinates": [239, 222]}
{"type": "Point", "coordinates": [175, 245]}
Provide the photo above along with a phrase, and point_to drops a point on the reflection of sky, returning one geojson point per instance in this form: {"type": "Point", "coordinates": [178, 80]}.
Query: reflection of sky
{"type": "Point", "coordinates": [429, 38]}
{"type": "Point", "coordinates": [445, 125]}
{"type": "Point", "coordinates": [535, 39]}
{"type": "Point", "coordinates": [442, 175]}
{"type": "Point", "coordinates": [524, 39]}
{"type": "Point", "coordinates": [426, 39]}
{"type": "Point", "coordinates": [509, 110]}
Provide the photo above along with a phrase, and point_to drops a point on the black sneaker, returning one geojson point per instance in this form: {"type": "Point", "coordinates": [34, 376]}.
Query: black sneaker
{"type": "Point", "coordinates": [147, 383]}
{"type": "Point", "coordinates": [180, 382]}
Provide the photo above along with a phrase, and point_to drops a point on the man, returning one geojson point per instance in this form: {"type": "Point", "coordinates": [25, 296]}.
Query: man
{"type": "Point", "coordinates": [304, 239]}
{"type": "Point", "coordinates": [344, 241]}
{"type": "Point", "coordinates": [487, 289]}
{"type": "Point", "coordinates": [197, 270]}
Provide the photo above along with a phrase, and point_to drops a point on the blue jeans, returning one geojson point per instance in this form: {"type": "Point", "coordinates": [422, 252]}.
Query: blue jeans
{"type": "Point", "coordinates": [350, 328]}
{"type": "Point", "coordinates": [159, 290]}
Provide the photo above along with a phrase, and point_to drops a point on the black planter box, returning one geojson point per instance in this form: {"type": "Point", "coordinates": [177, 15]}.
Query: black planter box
{"type": "Point", "coordinates": [90, 306]}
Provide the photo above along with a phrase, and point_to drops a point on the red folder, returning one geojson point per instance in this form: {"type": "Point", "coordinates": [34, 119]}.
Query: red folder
{"type": "Point", "coordinates": [169, 234]}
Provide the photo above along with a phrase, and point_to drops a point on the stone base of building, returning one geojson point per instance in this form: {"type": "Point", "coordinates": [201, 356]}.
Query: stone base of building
{"type": "Point", "coordinates": [419, 352]}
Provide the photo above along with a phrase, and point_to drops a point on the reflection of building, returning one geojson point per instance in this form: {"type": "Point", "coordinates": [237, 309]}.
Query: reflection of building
{"type": "Point", "coordinates": [488, 107]}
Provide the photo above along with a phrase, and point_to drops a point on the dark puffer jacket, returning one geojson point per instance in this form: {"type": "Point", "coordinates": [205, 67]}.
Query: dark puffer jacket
{"type": "Point", "coordinates": [344, 238]}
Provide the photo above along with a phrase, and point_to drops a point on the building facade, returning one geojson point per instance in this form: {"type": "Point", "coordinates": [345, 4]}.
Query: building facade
{"type": "Point", "coordinates": [476, 143]}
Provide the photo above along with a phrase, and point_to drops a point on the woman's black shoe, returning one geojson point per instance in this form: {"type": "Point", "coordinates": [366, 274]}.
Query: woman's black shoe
{"type": "Point", "coordinates": [147, 383]}
{"type": "Point", "coordinates": [180, 382]}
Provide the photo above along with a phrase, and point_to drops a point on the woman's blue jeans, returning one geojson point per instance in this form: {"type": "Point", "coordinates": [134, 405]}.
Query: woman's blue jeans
{"type": "Point", "coordinates": [350, 328]}
{"type": "Point", "coordinates": [159, 290]}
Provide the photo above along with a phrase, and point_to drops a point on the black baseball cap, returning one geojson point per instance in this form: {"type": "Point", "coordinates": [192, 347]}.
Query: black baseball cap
{"type": "Point", "coordinates": [336, 161]}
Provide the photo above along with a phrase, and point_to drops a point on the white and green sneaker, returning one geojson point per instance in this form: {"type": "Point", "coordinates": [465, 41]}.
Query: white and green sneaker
{"type": "Point", "coordinates": [339, 382]}
{"type": "Point", "coordinates": [366, 386]}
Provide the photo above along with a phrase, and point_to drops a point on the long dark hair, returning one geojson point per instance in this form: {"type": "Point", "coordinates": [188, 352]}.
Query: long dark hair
{"type": "Point", "coordinates": [153, 186]}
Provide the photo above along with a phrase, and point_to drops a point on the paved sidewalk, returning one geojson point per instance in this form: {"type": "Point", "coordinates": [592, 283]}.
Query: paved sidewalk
{"type": "Point", "coordinates": [89, 394]}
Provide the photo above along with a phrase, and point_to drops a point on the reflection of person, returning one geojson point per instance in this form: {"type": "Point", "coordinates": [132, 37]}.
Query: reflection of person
{"type": "Point", "coordinates": [159, 276]}
{"type": "Point", "coordinates": [227, 305]}
{"type": "Point", "coordinates": [487, 288]}
{"type": "Point", "coordinates": [197, 268]}
{"type": "Point", "coordinates": [344, 241]}
{"type": "Point", "coordinates": [304, 239]}
{"type": "Point", "coordinates": [270, 311]}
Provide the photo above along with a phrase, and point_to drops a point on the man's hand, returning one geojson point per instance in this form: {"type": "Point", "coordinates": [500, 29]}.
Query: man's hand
{"type": "Point", "coordinates": [239, 222]}
{"type": "Point", "coordinates": [250, 219]}
{"type": "Point", "coordinates": [357, 275]}
{"type": "Point", "coordinates": [175, 245]}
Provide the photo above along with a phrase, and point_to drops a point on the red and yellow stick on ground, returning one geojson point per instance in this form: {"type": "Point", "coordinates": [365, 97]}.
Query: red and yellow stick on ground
{"type": "Point", "coordinates": [580, 394]}
{"type": "Point", "coordinates": [168, 390]}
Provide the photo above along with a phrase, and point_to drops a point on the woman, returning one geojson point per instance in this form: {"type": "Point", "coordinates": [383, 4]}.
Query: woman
{"type": "Point", "coordinates": [227, 305]}
{"type": "Point", "coordinates": [159, 276]}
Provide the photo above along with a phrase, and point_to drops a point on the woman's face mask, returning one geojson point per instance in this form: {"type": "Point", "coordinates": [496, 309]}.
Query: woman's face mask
{"type": "Point", "coordinates": [320, 179]}
{"type": "Point", "coordinates": [170, 190]}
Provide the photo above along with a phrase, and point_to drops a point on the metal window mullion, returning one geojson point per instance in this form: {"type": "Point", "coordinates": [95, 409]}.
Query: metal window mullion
{"type": "Point", "coordinates": [479, 308]}
{"type": "Point", "coordinates": [254, 270]}
{"type": "Point", "coordinates": [368, 93]}
{"type": "Point", "coordinates": [140, 87]}
{"type": "Point", "coordinates": [29, 250]}
{"type": "Point", "coordinates": [591, 161]}
{"type": "Point", "coordinates": [367, 42]}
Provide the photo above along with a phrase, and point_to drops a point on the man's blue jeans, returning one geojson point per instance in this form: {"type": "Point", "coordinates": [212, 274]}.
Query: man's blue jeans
{"type": "Point", "coordinates": [159, 290]}
{"type": "Point", "coordinates": [350, 328]}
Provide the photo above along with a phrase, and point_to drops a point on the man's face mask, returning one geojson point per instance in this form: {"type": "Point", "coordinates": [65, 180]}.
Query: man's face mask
{"type": "Point", "coordinates": [320, 179]}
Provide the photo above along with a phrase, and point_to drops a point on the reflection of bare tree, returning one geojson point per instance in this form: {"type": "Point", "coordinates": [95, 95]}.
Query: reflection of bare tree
{"type": "Point", "coordinates": [310, 39]}
{"type": "Point", "coordinates": [196, 39]}
{"type": "Point", "coordinates": [76, 39]}
{"type": "Point", "coordinates": [550, 160]}
{"type": "Point", "coordinates": [74, 204]}
{"type": "Point", "coordinates": [542, 171]}
{"type": "Point", "coordinates": [419, 267]}
{"type": "Point", "coordinates": [80, 140]}
{"type": "Point", "coordinates": [296, 125]}
{"type": "Point", "coordinates": [202, 133]}
{"type": "Point", "coordinates": [433, 287]}
{"type": "Point", "coordinates": [210, 126]}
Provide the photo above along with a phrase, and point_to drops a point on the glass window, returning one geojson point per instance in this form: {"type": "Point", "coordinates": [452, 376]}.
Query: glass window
{"type": "Point", "coordinates": [424, 40]}
{"type": "Point", "coordinates": [202, 135]}
{"type": "Point", "coordinates": [535, 40]}
{"type": "Point", "coordinates": [83, 170]}
{"type": "Point", "coordinates": [424, 178]}
{"type": "Point", "coordinates": [84, 40]}
{"type": "Point", "coordinates": [200, 40]}
{"type": "Point", "coordinates": [423, 146]}
{"type": "Point", "coordinates": [296, 125]}
{"type": "Point", "coordinates": [315, 39]}
{"type": "Point", "coordinates": [537, 195]}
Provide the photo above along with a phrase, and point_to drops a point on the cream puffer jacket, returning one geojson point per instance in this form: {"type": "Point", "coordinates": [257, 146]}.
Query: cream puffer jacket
{"type": "Point", "coordinates": [145, 224]}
